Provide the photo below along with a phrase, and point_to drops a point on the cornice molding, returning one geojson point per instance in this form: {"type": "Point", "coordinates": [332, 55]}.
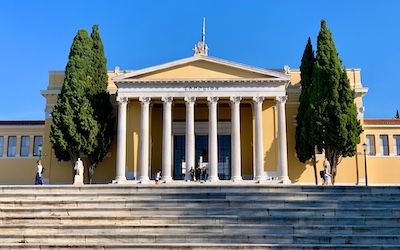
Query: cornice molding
{"type": "Point", "coordinates": [203, 80]}
{"type": "Point", "coordinates": [202, 58]}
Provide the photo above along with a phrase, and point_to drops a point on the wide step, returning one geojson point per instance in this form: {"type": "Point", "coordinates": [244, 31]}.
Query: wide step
{"type": "Point", "coordinates": [199, 216]}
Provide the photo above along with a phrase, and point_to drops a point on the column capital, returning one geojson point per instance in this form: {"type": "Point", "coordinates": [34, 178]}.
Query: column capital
{"type": "Point", "coordinates": [167, 99]}
{"type": "Point", "coordinates": [258, 99]}
{"type": "Point", "coordinates": [190, 99]}
{"type": "Point", "coordinates": [122, 100]}
{"type": "Point", "coordinates": [145, 100]}
{"type": "Point", "coordinates": [235, 99]}
{"type": "Point", "coordinates": [281, 99]}
{"type": "Point", "coordinates": [212, 99]}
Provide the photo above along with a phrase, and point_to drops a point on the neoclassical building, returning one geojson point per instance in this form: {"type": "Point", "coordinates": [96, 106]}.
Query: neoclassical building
{"type": "Point", "coordinates": [235, 120]}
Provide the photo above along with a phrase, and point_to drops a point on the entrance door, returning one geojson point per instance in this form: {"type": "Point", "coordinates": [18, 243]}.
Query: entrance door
{"type": "Point", "coordinates": [179, 156]}
{"type": "Point", "coordinates": [201, 150]}
{"type": "Point", "coordinates": [224, 157]}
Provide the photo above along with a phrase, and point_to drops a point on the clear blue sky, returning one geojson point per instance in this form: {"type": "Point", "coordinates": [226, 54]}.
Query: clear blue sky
{"type": "Point", "coordinates": [36, 37]}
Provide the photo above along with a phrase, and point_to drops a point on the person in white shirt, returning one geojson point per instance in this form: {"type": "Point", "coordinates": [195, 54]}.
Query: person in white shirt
{"type": "Point", "coordinates": [39, 171]}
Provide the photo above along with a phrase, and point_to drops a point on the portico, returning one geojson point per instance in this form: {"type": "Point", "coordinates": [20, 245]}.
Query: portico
{"type": "Point", "coordinates": [207, 85]}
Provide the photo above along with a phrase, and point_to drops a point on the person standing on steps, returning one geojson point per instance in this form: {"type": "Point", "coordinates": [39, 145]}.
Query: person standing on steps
{"type": "Point", "coordinates": [327, 172]}
{"type": "Point", "coordinates": [158, 176]}
{"type": "Point", "coordinates": [39, 171]}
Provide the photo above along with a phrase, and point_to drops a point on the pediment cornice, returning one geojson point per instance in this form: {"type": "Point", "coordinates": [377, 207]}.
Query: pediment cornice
{"type": "Point", "coordinates": [268, 73]}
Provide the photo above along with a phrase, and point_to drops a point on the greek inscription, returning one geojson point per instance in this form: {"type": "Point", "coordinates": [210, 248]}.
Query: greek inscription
{"type": "Point", "coordinates": [201, 88]}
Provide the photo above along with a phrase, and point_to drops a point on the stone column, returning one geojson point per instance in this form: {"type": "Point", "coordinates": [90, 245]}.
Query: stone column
{"type": "Point", "coordinates": [167, 134]}
{"type": "Point", "coordinates": [121, 140]}
{"type": "Point", "coordinates": [259, 150]}
{"type": "Point", "coordinates": [144, 140]}
{"type": "Point", "coordinates": [236, 159]}
{"type": "Point", "coordinates": [212, 138]}
{"type": "Point", "coordinates": [190, 139]}
{"type": "Point", "coordinates": [280, 102]}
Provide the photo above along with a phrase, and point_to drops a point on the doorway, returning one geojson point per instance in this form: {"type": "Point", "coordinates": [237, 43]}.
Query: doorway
{"type": "Point", "coordinates": [201, 150]}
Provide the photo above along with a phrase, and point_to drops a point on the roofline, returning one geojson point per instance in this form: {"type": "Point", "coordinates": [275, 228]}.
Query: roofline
{"type": "Point", "coordinates": [381, 122]}
{"type": "Point", "coordinates": [22, 123]}
{"type": "Point", "coordinates": [202, 80]}
{"type": "Point", "coordinates": [197, 58]}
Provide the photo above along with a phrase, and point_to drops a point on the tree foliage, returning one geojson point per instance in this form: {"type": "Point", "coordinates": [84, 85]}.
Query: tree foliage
{"type": "Point", "coordinates": [100, 100]}
{"type": "Point", "coordinates": [82, 118]}
{"type": "Point", "coordinates": [305, 141]}
{"type": "Point", "coordinates": [304, 147]}
{"type": "Point", "coordinates": [336, 127]}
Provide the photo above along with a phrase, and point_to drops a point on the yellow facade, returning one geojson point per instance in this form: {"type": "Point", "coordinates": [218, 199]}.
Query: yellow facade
{"type": "Point", "coordinates": [382, 169]}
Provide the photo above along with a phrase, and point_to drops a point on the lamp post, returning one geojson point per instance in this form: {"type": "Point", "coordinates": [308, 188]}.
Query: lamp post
{"type": "Point", "coordinates": [365, 164]}
{"type": "Point", "coordinates": [40, 147]}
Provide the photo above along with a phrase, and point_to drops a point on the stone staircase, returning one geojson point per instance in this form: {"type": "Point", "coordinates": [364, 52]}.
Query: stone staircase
{"type": "Point", "coordinates": [199, 216]}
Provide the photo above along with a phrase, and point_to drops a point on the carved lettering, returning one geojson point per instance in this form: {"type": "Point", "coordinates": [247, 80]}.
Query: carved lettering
{"type": "Point", "coordinates": [201, 88]}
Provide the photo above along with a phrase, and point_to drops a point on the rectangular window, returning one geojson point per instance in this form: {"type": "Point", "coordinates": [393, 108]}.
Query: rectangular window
{"type": "Point", "coordinates": [396, 143]}
{"type": "Point", "coordinates": [370, 141]}
{"type": "Point", "coordinates": [38, 140]}
{"type": "Point", "coordinates": [384, 145]}
{"type": "Point", "coordinates": [12, 146]}
{"type": "Point", "coordinates": [24, 146]}
{"type": "Point", "coordinates": [1, 145]}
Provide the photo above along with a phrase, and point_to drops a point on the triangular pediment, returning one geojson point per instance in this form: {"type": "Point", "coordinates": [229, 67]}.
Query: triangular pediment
{"type": "Point", "coordinates": [201, 67]}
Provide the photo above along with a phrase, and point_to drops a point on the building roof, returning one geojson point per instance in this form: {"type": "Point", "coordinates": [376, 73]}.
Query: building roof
{"type": "Point", "coordinates": [381, 121]}
{"type": "Point", "coordinates": [22, 123]}
{"type": "Point", "coordinates": [177, 63]}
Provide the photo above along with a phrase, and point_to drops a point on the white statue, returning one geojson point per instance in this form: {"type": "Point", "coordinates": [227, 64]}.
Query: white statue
{"type": "Point", "coordinates": [286, 68]}
{"type": "Point", "coordinates": [79, 169]}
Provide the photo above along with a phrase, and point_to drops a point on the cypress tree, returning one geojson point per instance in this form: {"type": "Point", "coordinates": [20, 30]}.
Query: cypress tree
{"type": "Point", "coordinates": [397, 116]}
{"type": "Point", "coordinates": [305, 147]}
{"type": "Point", "coordinates": [100, 100]}
{"type": "Point", "coordinates": [333, 103]}
{"type": "Point", "coordinates": [73, 129]}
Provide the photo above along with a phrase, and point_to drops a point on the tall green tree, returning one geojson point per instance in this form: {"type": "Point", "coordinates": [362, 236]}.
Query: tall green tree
{"type": "Point", "coordinates": [397, 116]}
{"type": "Point", "coordinates": [305, 146]}
{"type": "Point", "coordinates": [100, 101]}
{"type": "Point", "coordinates": [337, 129]}
{"type": "Point", "coordinates": [74, 129]}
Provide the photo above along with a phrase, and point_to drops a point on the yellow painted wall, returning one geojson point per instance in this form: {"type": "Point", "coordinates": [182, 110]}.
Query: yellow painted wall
{"type": "Point", "coordinates": [19, 169]}
{"type": "Point", "coordinates": [270, 135]}
{"type": "Point", "coordinates": [132, 136]}
{"type": "Point", "coordinates": [381, 169]}
{"type": "Point", "coordinates": [246, 138]}
{"type": "Point", "coordinates": [200, 69]}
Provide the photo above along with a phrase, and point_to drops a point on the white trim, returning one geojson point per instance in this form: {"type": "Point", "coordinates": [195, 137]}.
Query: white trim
{"type": "Point", "coordinates": [380, 125]}
{"type": "Point", "coordinates": [19, 127]}
{"type": "Point", "coordinates": [220, 90]}
{"type": "Point", "coordinates": [48, 93]}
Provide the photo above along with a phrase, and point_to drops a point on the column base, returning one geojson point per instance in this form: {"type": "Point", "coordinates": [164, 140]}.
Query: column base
{"type": "Point", "coordinates": [147, 181]}
{"type": "Point", "coordinates": [237, 179]}
{"type": "Point", "coordinates": [213, 179]}
{"type": "Point", "coordinates": [144, 178]}
{"type": "Point", "coordinates": [261, 181]}
{"type": "Point", "coordinates": [361, 182]}
{"type": "Point", "coordinates": [166, 179]}
{"type": "Point", "coordinates": [285, 180]}
{"type": "Point", "coordinates": [119, 179]}
{"type": "Point", "coordinates": [260, 178]}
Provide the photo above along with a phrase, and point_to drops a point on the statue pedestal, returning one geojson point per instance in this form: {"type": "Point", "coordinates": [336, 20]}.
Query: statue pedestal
{"type": "Point", "coordinates": [78, 180]}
